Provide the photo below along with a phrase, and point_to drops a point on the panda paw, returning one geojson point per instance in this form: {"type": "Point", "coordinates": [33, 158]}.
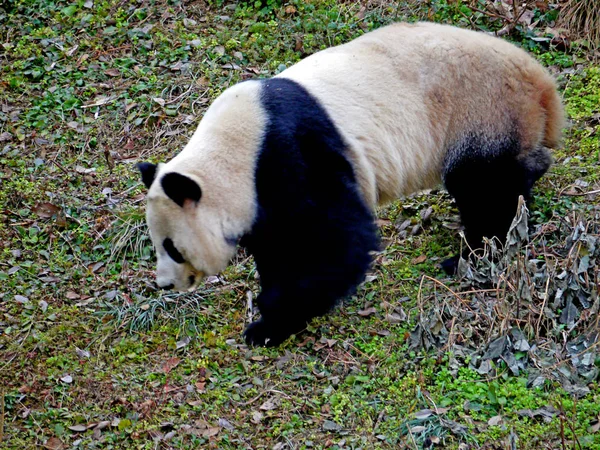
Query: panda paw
{"type": "Point", "coordinates": [263, 334]}
{"type": "Point", "coordinates": [450, 266]}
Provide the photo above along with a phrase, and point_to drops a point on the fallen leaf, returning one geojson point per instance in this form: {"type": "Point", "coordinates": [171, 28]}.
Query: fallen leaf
{"type": "Point", "coordinates": [330, 425]}
{"type": "Point", "coordinates": [183, 342]}
{"type": "Point", "coordinates": [595, 427]}
{"type": "Point", "coordinates": [424, 414]}
{"type": "Point", "coordinates": [231, 66]}
{"type": "Point", "coordinates": [102, 425]}
{"type": "Point", "coordinates": [67, 379]}
{"type": "Point", "coordinates": [45, 210]}
{"type": "Point", "coordinates": [54, 443]}
{"type": "Point", "coordinates": [209, 432]}
{"type": "Point", "coordinates": [83, 354]}
{"type": "Point", "coordinates": [21, 299]}
{"type": "Point", "coordinates": [78, 428]}
{"type": "Point", "coordinates": [394, 318]}
{"type": "Point", "coordinates": [367, 312]}
{"type": "Point", "coordinates": [6, 136]}
{"type": "Point", "coordinates": [170, 364]}
{"type": "Point", "coordinates": [419, 259]}
{"type": "Point", "coordinates": [268, 405]}
{"type": "Point", "coordinates": [495, 421]}
{"type": "Point", "coordinates": [256, 417]}
{"type": "Point", "coordinates": [112, 72]}
{"type": "Point", "coordinates": [224, 423]}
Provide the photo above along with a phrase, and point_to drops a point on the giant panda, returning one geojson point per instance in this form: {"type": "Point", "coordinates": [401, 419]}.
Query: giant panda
{"type": "Point", "coordinates": [292, 167]}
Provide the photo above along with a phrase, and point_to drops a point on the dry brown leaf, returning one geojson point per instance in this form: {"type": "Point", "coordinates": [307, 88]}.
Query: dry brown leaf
{"type": "Point", "coordinates": [54, 443]}
{"type": "Point", "coordinates": [268, 405]}
{"type": "Point", "coordinates": [419, 259]}
{"type": "Point", "coordinates": [170, 364]}
{"type": "Point", "coordinates": [195, 402]}
{"type": "Point", "coordinates": [495, 421]}
{"type": "Point", "coordinates": [46, 210]}
{"type": "Point", "coordinates": [209, 432]}
{"type": "Point", "coordinates": [367, 312]}
{"type": "Point", "coordinates": [256, 417]}
{"type": "Point", "coordinates": [595, 427]}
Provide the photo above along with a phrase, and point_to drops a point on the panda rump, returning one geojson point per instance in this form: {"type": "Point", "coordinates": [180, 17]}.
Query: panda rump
{"type": "Point", "coordinates": [295, 165]}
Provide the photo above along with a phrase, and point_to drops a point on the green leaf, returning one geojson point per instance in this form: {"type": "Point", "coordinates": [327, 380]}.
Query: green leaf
{"type": "Point", "coordinates": [124, 424]}
{"type": "Point", "coordinates": [69, 11]}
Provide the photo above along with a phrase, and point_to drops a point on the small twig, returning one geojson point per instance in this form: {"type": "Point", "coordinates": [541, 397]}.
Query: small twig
{"type": "Point", "coordinates": [249, 306]}
{"type": "Point", "coordinates": [487, 13]}
{"type": "Point", "coordinates": [463, 301]}
{"type": "Point", "coordinates": [537, 327]}
{"type": "Point", "coordinates": [583, 352]}
{"type": "Point", "coordinates": [595, 191]}
{"type": "Point", "coordinates": [1, 415]}
{"type": "Point", "coordinates": [379, 417]}
{"type": "Point", "coordinates": [412, 438]}
{"type": "Point", "coordinates": [57, 164]}
{"type": "Point", "coordinates": [561, 418]}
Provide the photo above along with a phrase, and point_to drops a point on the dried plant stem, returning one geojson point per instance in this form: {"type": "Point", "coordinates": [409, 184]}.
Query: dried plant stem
{"type": "Point", "coordinates": [1, 415]}
{"type": "Point", "coordinates": [582, 18]}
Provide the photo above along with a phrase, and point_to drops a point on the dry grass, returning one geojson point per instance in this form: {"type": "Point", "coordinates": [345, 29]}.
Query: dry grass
{"type": "Point", "coordinates": [582, 19]}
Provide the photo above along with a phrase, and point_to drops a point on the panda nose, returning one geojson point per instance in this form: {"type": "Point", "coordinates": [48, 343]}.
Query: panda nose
{"type": "Point", "coordinates": [167, 287]}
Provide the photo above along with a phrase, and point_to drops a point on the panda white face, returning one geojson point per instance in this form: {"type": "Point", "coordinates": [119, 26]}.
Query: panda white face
{"type": "Point", "coordinates": [188, 235]}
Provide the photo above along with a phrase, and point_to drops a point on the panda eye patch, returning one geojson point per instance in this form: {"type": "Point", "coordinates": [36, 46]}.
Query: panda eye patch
{"type": "Point", "coordinates": [172, 251]}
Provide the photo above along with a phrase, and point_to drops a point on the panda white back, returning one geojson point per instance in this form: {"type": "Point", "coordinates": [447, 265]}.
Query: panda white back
{"type": "Point", "coordinates": [403, 94]}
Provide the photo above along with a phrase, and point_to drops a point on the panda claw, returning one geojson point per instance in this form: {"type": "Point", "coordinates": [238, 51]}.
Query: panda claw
{"type": "Point", "coordinates": [261, 334]}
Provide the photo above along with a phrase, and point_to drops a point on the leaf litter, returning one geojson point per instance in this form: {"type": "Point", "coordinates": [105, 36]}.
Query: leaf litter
{"type": "Point", "coordinates": [530, 304]}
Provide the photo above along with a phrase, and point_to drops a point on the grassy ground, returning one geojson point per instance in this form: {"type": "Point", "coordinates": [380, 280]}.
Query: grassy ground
{"type": "Point", "coordinates": [93, 357]}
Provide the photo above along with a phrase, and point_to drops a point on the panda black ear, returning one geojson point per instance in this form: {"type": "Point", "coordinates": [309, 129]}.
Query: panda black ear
{"type": "Point", "coordinates": [148, 171]}
{"type": "Point", "coordinates": [180, 188]}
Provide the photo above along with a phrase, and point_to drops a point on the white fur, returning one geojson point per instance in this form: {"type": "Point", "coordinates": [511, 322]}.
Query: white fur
{"type": "Point", "coordinates": [221, 158]}
{"type": "Point", "coordinates": [401, 94]}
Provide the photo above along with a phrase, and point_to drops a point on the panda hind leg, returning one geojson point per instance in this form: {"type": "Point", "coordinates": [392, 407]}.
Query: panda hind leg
{"type": "Point", "coordinates": [486, 182]}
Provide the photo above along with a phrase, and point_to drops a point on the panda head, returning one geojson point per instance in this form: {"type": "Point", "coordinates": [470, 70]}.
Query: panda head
{"type": "Point", "coordinates": [185, 226]}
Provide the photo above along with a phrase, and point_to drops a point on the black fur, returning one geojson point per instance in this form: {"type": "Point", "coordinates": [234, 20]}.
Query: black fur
{"type": "Point", "coordinates": [180, 188]}
{"type": "Point", "coordinates": [172, 251]}
{"type": "Point", "coordinates": [485, 177]}
{"type": "Point", "coordinates": [313, 234]}
{"type": "Point", "coordinates": [148, 171]}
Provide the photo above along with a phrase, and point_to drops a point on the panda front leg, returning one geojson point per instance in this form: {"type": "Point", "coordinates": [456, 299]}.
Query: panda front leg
{"type": "Point", "coordinates": [277, 321]}
{"type": "Point", "coordinates": [289, 301]}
